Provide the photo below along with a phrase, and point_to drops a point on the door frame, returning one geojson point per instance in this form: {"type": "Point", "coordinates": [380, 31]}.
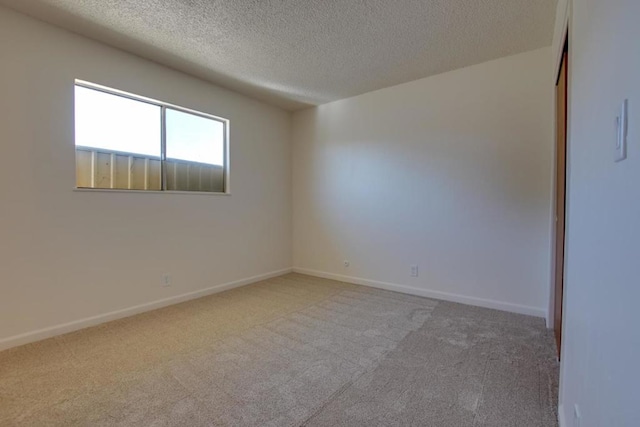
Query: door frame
{"type": "Point", "coordinates": [561, 34]}
{"type": "Point", "coordinates": [559, 278]}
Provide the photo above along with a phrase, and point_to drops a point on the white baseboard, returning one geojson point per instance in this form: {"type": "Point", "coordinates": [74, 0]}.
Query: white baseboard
{"type": "Point", "coordinates": [562, 419]}
{"type": "Point", "coordinates": [64, 328]}
{"type": "Point", "coordinates": [480, 302]}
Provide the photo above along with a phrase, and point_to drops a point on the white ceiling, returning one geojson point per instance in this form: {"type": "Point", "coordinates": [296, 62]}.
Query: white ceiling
{"type": "Point", "coordinates": [295, 53]}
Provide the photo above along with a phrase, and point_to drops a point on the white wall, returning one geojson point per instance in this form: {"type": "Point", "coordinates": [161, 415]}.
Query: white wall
{"type": "Point", "coordinates": [68, 255]}
{"type": "Point", "coordinates": [601, 347]}
{"type": "Point", "coordinates": [451, 172]}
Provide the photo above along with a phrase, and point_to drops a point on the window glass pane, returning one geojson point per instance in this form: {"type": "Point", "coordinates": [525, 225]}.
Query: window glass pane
{"type": "Point", "coordinates": [118, 141]}
{"type": "Point", "coordinates": [194, 138]}
{"type": "Point", "coordinates": [119, 144]}
{"type": "Point", "coordinates": [195, 152]}
{"type": "Point", "coordinates": [116, 123]}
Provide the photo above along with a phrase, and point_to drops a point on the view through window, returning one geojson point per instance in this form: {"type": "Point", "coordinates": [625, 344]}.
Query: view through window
{"type": "Point", "coordinates": [128, 142]}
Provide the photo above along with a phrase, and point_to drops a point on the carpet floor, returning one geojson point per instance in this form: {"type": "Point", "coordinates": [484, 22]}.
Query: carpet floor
{"type": "Point", "coordinates": [290, 351]}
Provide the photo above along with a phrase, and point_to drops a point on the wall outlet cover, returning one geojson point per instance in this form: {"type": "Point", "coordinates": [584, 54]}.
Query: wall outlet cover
{"type": "Point", "coordinates": [166, 280]}
{"type": "Point", "coordinates": [622, 124]}
{"type": "Point", "coordinates": [414, 270]}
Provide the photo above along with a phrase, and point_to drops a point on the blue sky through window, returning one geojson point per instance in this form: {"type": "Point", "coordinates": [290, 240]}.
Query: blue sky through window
{"type": "Point", "coordinates": [194, 138]}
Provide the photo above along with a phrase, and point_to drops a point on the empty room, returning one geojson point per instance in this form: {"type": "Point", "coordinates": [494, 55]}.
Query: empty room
{"type": "Point", "coordinates": [320, 213]}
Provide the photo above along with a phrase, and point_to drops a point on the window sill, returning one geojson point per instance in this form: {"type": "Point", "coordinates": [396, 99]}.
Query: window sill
{"type": "Point", "coordinates": [116, 190]}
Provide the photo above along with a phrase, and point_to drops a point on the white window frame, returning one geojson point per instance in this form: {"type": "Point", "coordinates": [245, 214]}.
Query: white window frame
{"type": "Point", "coordinates": [163, 141]}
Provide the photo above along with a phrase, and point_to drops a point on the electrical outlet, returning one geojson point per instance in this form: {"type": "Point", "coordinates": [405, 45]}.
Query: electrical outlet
{"type": "Point", "coordinates": [166, 280]}
{"type": "Point", "coordinates": [577, 418]}
{"type": "Point", "coordinates": [414, 270]}
{"type": "Point", "coordinates": [347, 263]}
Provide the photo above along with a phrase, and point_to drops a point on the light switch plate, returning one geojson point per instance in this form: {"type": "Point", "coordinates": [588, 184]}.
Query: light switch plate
{"type": "Point", "coordinates": [623, 127]}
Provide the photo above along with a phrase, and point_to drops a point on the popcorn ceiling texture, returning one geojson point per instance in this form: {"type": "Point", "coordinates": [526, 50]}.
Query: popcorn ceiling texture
{"type": "Point", "coordinates": [295, 53]}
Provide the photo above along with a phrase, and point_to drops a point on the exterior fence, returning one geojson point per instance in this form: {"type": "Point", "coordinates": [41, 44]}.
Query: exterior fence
{"type": "Point", "coordinates": [100, 168]}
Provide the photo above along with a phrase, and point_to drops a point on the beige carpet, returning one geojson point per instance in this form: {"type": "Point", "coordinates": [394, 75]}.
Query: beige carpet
{"type": "Point", "coordinates": [289, 351]}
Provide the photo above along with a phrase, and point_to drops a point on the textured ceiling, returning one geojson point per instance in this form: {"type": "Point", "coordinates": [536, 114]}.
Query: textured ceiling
{"type": "Point", "coordinates": [295, 53]}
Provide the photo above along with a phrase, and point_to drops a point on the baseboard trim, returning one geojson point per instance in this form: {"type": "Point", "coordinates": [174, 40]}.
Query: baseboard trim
{"type": "Point", "coordinates": [41, 334]}
{"type": "Point", "coordinates": [445, 296]}
{"type": "Point", "coordinates": [562, 420]}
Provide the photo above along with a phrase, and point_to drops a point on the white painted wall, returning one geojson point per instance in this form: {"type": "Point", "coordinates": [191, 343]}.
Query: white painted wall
{"type": "Point", "coordinates": [68, 255]}
{"type": "Point", "coordinates": [451, 172]}
{"type": "Point", "coordinates": [601, 347]}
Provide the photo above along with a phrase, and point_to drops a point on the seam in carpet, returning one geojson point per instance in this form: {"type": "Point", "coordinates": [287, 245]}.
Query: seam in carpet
{"type": "Point", "coordinates": [334, 396]}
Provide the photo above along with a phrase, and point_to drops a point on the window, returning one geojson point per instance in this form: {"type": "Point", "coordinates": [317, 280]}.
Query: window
{"type": "Point", "coordinates": [129, 142]}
